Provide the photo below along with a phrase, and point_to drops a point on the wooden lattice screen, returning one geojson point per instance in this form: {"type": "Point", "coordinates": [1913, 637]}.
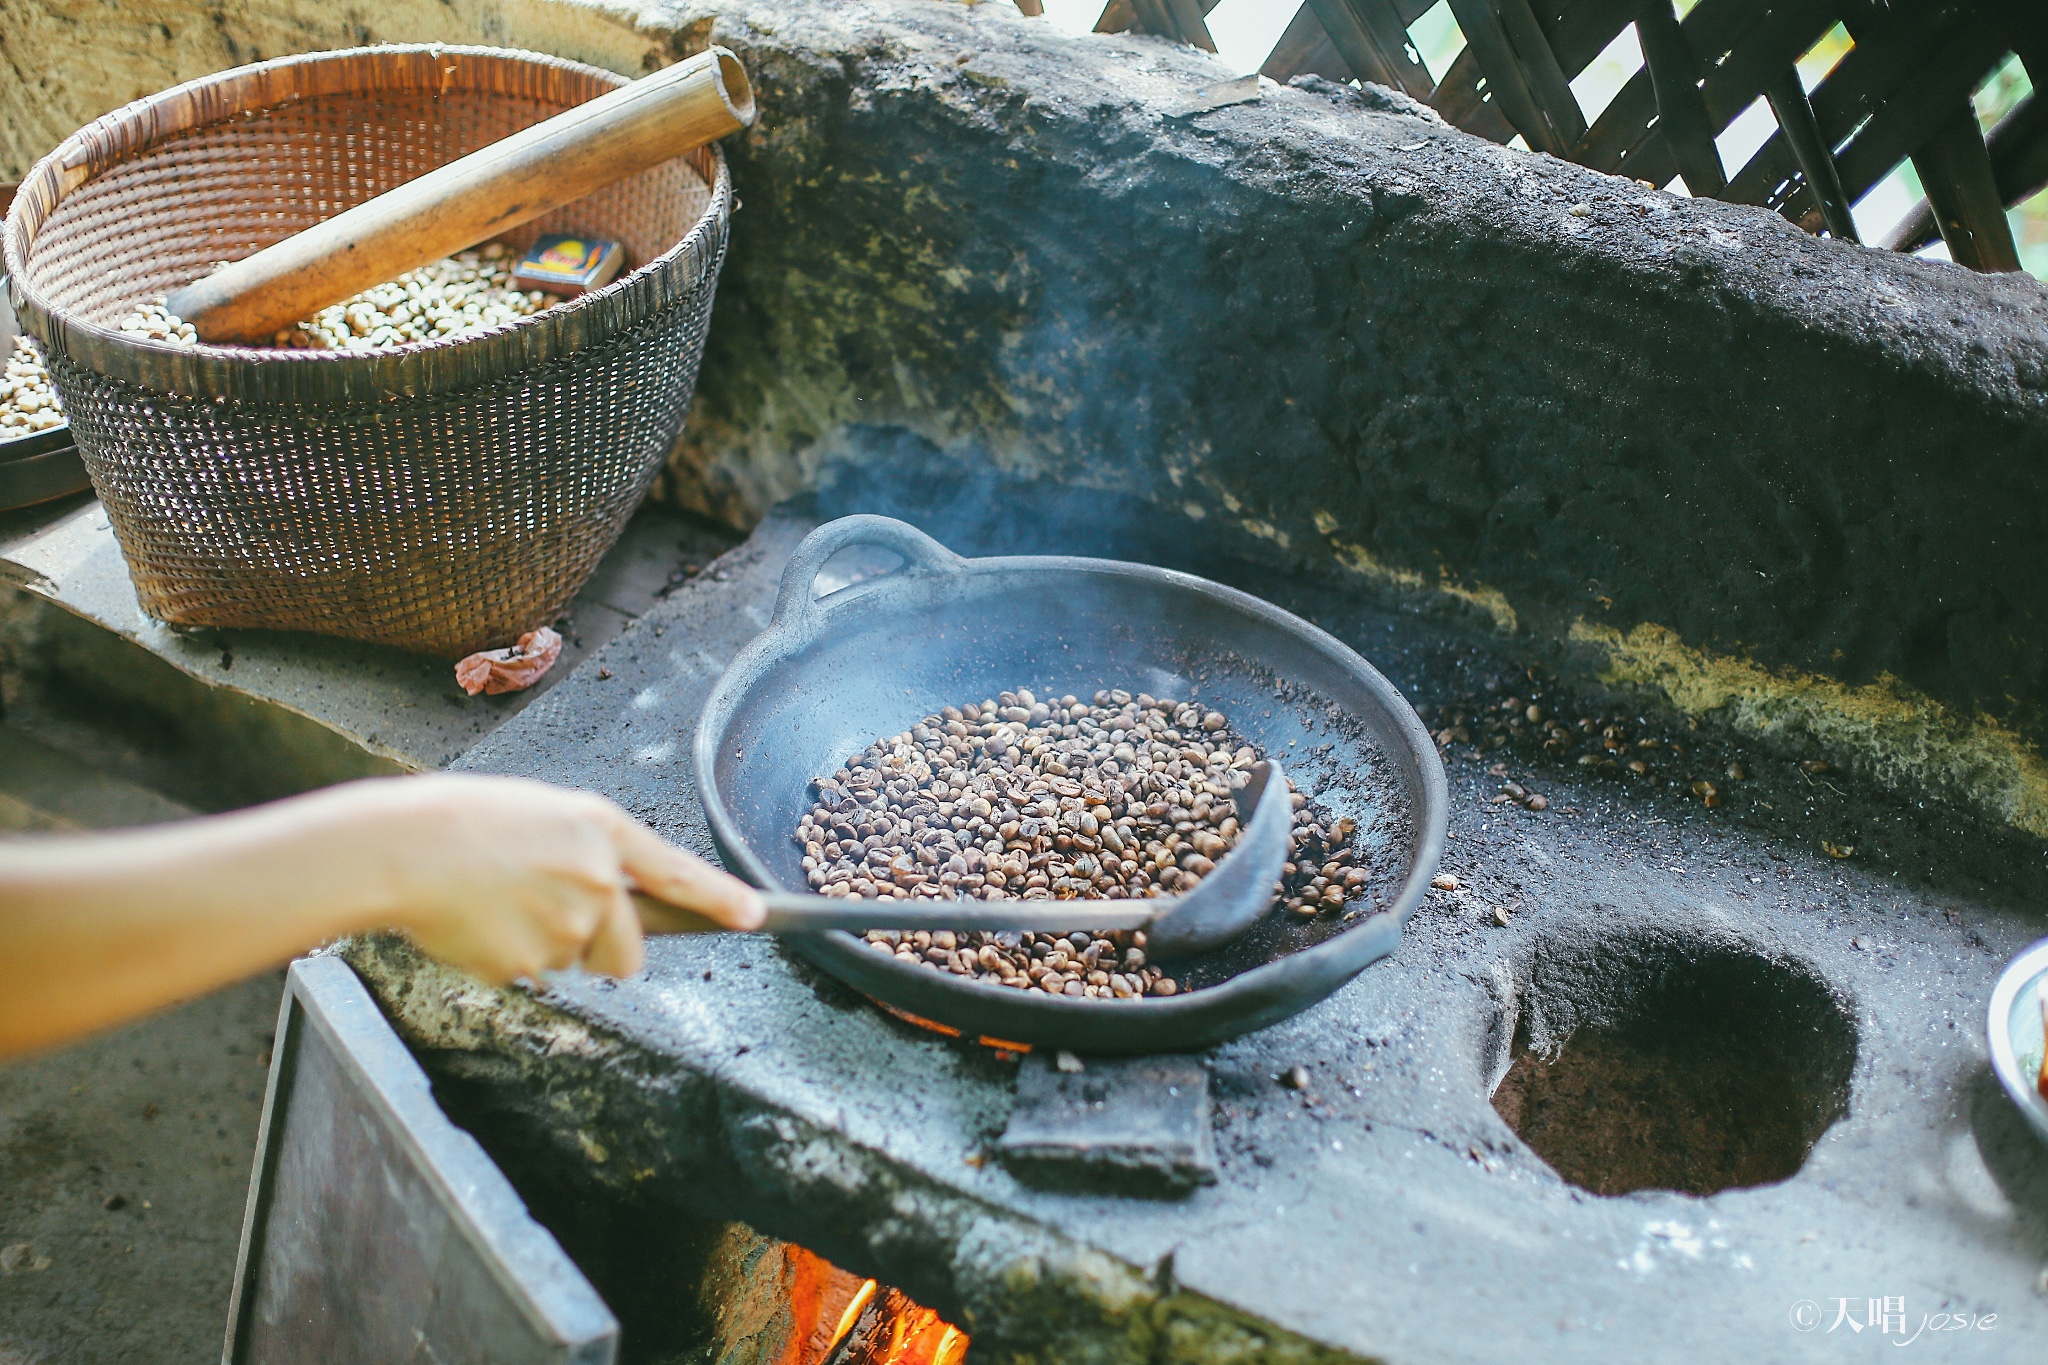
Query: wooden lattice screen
{"type": "Point", "coordinates": [1902, 91]}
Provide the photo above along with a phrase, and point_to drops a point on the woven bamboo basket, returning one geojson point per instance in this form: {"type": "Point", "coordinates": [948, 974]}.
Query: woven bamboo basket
{"type": "Point", "coordinates": [441, 496]}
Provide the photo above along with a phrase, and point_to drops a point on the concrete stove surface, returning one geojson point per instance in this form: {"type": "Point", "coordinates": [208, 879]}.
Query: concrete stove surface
{"type": "Point", "coordinates": [1384, 1210]}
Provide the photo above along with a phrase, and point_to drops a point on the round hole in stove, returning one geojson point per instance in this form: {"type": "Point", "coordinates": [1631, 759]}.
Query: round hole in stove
{"type": "Point", "coordinates": [1647, 1059]}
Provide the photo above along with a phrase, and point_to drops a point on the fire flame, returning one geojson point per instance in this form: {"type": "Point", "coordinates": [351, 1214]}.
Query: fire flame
{"type": "Point", "coordinates": [859, 1322]}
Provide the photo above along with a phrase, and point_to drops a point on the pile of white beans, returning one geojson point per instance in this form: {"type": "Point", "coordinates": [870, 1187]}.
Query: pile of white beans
{"type": "Point", "coordinates": [27, 402]}
{"type": "Point", "coordinates": [457, 294]}
{"type": "Point", "coordinates": [466, 292]}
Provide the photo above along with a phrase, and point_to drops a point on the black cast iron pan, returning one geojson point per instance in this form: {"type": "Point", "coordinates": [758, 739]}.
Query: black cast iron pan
{"type": "Point", "coordinates": [830, 675]}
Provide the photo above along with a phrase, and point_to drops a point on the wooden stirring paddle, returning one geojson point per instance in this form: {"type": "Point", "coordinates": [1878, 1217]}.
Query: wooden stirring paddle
{"type": "Point", "coordinates": [490, 191]}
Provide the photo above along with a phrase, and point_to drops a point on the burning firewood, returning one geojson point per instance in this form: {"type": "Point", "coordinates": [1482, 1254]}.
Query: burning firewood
{"type": "Point", "coordinates": [894, 1330]}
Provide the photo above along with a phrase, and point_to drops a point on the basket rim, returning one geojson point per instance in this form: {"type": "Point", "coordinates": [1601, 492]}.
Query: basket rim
{"type": "Point", "coordinates": [269, 374]}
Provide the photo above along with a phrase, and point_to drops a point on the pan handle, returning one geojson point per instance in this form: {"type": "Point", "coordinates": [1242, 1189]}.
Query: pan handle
{"type": "Point", "coordinates": [794, 602]}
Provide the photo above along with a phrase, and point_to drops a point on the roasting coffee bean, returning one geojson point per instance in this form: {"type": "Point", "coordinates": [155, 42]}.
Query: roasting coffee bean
{"type": "Point", "coordinates": [1012, 797]}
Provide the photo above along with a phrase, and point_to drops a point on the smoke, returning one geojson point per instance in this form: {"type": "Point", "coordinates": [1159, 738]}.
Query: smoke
{"type": "Point", "coordinates": [976, 508]}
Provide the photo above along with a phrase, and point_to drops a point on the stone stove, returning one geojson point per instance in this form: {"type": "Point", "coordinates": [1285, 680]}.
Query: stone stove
{"type": "Point", "coordinates": [1789, 483]}
{"type": "Point", "coordinates": [1370, 1201]}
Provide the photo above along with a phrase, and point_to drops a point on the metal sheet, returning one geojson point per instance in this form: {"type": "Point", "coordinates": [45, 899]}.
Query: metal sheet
{"type": "Point", "coordinates": [377, 1230]}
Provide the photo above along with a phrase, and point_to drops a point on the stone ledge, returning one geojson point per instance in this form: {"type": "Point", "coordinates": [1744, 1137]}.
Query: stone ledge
{"type": "Point", "coordinates": [731, 1081]}
{"type": "Point", "coordinates": [226, 717]}
{"type": "Point", "coordinates": [1334, 337]}
{"type": "Point", "coordinates": [1323, 333]}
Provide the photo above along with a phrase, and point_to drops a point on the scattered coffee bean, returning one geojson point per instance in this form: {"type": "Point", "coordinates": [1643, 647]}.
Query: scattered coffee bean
{"type": "Point", "coordinates": [1648, 753]}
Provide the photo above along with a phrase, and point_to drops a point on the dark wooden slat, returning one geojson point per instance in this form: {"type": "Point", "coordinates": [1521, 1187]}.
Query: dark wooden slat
{"type": "Point", "coordinates": [2019, 159]}
{"type": "Point", "coordinates": [1179, 19]}
{"type": "Point", "coordinates": [2019, 144]}
{"type": "Point", "coordinates": [1305, 49]}
{"type": "Point", "coordinates": [1459, 99]}
{"type": "Point", "coordinates": [2020, 155]}
{"type": "Point", "coordinates": [1582, 30]}
{"type": "Point", "coordinates": [1540, 67]}
{"type": "Point", "coordinates": [1373, 41]}
{"type": "Point", "coordinates": [1579, 34]}
{"type": "Point", "coordinates": [1522, 72]}
{"type": "Point", "coordinates": [2029, 35]}
{"type": "Point", "coordinates": [1737, 48]}
{"type": "Point", "coordinates": [1710, 29]}
{"type": "Point", "coordinates": [1955, 168]}
{"type": "Point", "coordinates": [1884, 59]}
{"type": "Point", "coordinates": [1031, 8]}
{"type": "Point", "coordinates": [1789, 106]}
{"type": "Point", "coordinates": [1681, 111]}
{"type": "Point", "coordinates": [1117, 17]}
{"type": "Point", "coordinates": [1491, 83]}
{"type": "Point", "coordinates": [1759, 54]}
{"type": "Point", "coordinates": [1920, 101]}
{"type": "Point", "coordinates": [1756, 58]}
{"type": "Point", "coordinates": [1151, 16]}
{"type": "Point", "coordinates": [1189, 19]}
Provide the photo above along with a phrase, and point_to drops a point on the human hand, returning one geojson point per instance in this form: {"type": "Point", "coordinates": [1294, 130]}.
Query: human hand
{"type": "Point", "coordinates": [509, 878]}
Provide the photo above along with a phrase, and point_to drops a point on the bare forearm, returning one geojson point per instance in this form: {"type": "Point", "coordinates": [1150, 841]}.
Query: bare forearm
{"type": "Point", "coordinates": [98, 928]}
{"type": "Point", "coordinates": [502, 877]}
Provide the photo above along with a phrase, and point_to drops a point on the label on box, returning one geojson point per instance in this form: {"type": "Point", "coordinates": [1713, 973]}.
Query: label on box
{"type": "Point", "coordinates": [564, 264]}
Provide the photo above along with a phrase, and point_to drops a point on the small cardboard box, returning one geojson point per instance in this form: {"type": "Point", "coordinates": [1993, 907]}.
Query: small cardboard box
{"type": "Point", "coordinates": [569, 265]}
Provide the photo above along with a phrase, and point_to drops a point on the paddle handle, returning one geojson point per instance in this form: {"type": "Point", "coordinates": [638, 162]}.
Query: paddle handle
{"type": "Point", "coordinates": [795, 913]}
{"type": "Point", "coordinates": [484, 194]}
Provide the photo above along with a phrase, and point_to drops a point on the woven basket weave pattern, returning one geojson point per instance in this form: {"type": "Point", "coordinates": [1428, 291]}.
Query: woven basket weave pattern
{"type": "Point", "coordinates": [441, 497]}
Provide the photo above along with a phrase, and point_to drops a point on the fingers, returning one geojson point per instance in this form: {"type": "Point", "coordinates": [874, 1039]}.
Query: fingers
{"type": "Point", "coordinates": [515, 879]}
{"type": "Point", "coordinates": [614, 948]}
{"type": "Point", "coordinates": [683, 879]}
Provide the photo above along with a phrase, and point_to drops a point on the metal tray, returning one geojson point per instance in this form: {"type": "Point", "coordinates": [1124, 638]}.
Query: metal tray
{"type": "Point", "coordinates": [376, 1230]}
{"type": "Point", "coordinates": [41, 467]}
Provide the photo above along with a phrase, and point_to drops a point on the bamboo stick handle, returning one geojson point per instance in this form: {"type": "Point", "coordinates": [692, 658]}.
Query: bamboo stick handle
{"type": "Point", "coordinates": [490, 191]}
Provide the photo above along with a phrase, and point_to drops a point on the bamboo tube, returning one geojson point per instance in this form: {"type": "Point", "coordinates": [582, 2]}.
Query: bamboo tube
{"type": "Point", "coordinates": [471, 200]}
